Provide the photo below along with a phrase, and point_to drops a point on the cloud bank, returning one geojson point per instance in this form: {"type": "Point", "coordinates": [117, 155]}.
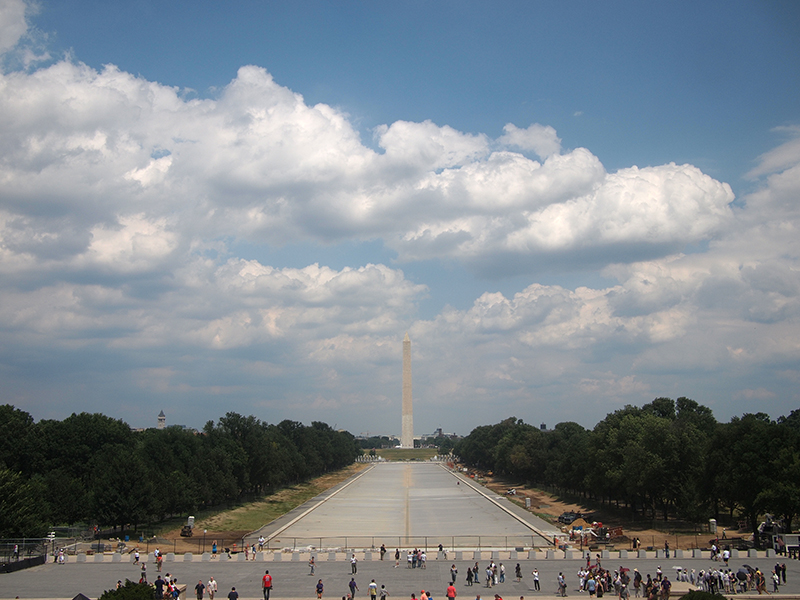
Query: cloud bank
{"type": "Point", "coordinates": [122, 201]}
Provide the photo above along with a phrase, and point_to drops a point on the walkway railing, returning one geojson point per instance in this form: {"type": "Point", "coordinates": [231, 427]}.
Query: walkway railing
{"type": "Point", "coordinates": [362, 543]}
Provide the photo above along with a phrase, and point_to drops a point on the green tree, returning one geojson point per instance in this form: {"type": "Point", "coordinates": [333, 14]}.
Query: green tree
{"type": "Point", "coordinates": [120, 490]}
{"type": "Point", "coordinates": [17, 447]}
{"type": "Point", "coordinates": [739, 464]}
{"type": "Point", "coordinates": [22, 511]}
{"type": "Point", "coordinates": [131, 591]}
{"type": "Point", "coordinates": [564, 458]}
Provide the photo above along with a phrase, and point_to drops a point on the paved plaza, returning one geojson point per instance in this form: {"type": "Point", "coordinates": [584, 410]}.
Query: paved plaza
{"type": "Point", "coordinates": [409, 504]}
{"type": "Point", "coordinates": [389, 502]}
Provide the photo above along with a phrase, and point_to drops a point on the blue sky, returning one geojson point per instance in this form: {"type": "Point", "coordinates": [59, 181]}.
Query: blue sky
{"type": "Point", "coordinates": [211, 206]}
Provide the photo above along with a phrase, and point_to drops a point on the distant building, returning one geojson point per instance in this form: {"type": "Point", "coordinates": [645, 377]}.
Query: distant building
{"type": "Point", "coordinates": [162, 420]}
{"type": "Point", "coordinates": [438, 433]}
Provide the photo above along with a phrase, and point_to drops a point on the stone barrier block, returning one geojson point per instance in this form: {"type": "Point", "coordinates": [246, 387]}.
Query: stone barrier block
{"type": "Point", "coordinates": [512, 555]}
{"type": "Point", "coordinates": [770, 552]}
{"type": "Point", "coordinates": [697, 553]}
{"type": "Point", "coordinates": [241, 557]}
{"type": "Point", "coordinates": [295, 557]}
{"type": "Point", "coordinates": [605, 554]}
{"type": "Point", "coordinates": [259, 557]}
{"type": "Point", "coordinates": [368, 555]}
{"type": "Point", "coordinates": [116, 557]}
{"type": "Point", "coordinates": [659, 554]}
{"type": "Point", "coordinates": [678, 553]}
{"type": "Point", "coordinates": [99, 557]}
{"type": "Point", "coordinates": [277, 557]}
{"type": "Point", "coordinates": [752, 553]}
{"type": "Point", "coordinates": [81, 558]}
{"type": "Point", "coordinates": [734, 553]}
{"type": "Point", "coordinates": [224, 557]}
{"type": "Point", "coordinates": [170, 557]}
{"type": "Point", "coordinates": [641, 553]}
{"type": "Point", "coordinates": [188, 557]}
{"type": "Point", "coordinates": [623, 554]}
{"type": "Point", "coordinates": [331, 555]}
{"type": "Point", "coordinates": [550, 554]}
{"type": "Point", "coordinates": [205, 557]}
{"type": "Point", "coordinates": [495, 555]}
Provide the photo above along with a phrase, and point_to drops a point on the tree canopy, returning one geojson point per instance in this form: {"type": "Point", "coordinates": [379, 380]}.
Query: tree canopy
{"type": "Point", "coordinates": [668, 457]}
{"type": "Point", "coordinates": [94, 469]}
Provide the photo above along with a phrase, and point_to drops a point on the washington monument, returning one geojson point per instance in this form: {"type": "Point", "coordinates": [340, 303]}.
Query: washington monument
{"type": "Point", "coordinates": [407, 435]}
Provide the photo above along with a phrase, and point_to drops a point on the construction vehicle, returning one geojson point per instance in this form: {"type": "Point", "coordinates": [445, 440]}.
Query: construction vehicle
{"type": "Point", "coordinates": [188, 529]}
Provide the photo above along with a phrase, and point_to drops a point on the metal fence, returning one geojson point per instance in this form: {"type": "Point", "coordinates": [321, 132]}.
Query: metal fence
{"type": "Point", "coordinates": [12, 550]}
{"type": "Point", "coordinates": [392, 543]}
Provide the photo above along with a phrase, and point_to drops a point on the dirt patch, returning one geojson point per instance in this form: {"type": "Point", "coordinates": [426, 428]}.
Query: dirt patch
{"type": "Point", "coordinates": [550, 507]}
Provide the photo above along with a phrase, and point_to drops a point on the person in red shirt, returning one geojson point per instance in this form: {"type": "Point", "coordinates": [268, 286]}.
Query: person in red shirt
{"type": "Point", "coordinates": [266, 585]}
{"type": "Point", "coordinates": [451, 592]}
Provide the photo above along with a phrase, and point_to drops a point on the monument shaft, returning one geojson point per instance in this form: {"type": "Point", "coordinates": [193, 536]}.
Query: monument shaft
{"type": "Point", "coordinates": [407, 434]}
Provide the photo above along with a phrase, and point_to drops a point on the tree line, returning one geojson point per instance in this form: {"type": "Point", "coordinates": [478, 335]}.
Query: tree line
{"type": "Point", "coordinates": [91, 468]}
{"type": "Point", "coordinates": [666, 458]}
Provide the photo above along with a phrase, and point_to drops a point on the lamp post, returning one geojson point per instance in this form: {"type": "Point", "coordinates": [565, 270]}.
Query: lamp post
{"type": "Point", "coordinates": [205, 531]}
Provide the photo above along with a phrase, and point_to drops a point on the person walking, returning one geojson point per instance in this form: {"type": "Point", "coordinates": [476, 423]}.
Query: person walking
{"type": "Point", "coordinates": [320, 589]}
{"type": "Point", "coordinates": [396, 557]}
{"type": "Point", "coordinates": [518, 573]}
{"type": "Point", "coordinates": [233, 594]}
{"type": "Point", "coordinates": [535, 574]}
{"type": "Point", "coordinates": [266, 584]}
{"type": "Point", "coordinates": [353, 587]}
{"type": "Point", "coordinates": [384, 592]}
{"type": "Point", "coordinates": [373, 590]}
{"type": "Point", "coordinates": [199, 589]}
{"type": "Point", "coordinates": [212, 588]}
{"type": "Point", "coordinates": [312, 564]}
{"type": "Point", "coordinates": [453, 574]}
{"type": "Point", "coordinates": [562, 585]}
{"type": "Point", "coordinates": [354, 564]}
{"type": "Point", "coordinates": [451, 592]}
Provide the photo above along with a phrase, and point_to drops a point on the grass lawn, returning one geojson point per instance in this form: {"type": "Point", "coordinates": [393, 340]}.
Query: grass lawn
{"type": "Point", "coordinates": [255, 514]}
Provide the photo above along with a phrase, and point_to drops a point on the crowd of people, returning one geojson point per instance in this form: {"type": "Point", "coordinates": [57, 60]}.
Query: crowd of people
{"type": "Point", "coordinates": [593, 579]}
